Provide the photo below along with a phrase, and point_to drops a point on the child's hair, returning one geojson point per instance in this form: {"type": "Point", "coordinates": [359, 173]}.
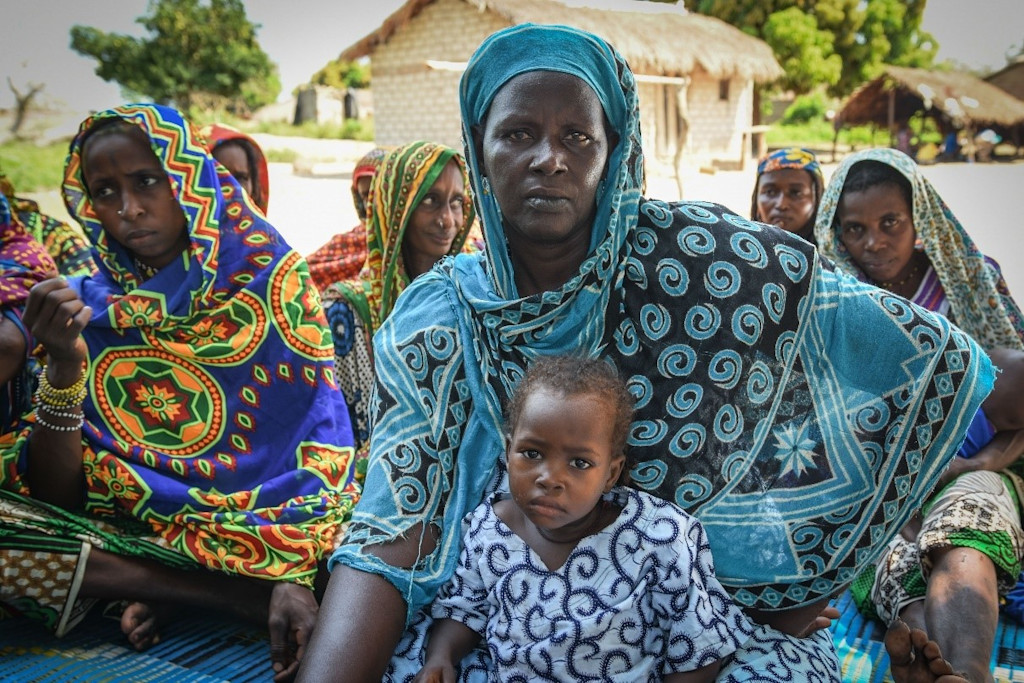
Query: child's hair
{"type": "Point", "coordinates": [572, 376]}
{"type": "Point", "coordinates": [866, 174]}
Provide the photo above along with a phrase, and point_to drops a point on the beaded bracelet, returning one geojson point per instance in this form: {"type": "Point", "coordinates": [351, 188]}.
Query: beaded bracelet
{"type": "Point", "coordinates": [60, 428]}
{"type": "Point", "coordinates": [51, 410]}
{"type": "Point", "coordinates": [68, 397]}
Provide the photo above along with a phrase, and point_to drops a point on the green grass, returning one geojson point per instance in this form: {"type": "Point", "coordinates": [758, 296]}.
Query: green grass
{"type": "Point", "coordinates": [351, 129]}
{"type": "Point", "coordinates": [819, 135]}
{"type": "Point", "coordinates": [286, 156]}
{"type": "Point", "coordinates": [33, 168]}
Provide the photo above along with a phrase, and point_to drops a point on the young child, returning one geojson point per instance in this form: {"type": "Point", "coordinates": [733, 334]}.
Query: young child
{"type": "Point", "coordinates": [573, 578]}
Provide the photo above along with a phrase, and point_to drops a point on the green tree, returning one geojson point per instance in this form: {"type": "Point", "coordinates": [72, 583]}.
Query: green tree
{"type": "Point", "coordinates": [810, 37]}
{"type": "Point", "coordinates": [341, 73]}
{"type": "Point", "coordinates": [197, 52]}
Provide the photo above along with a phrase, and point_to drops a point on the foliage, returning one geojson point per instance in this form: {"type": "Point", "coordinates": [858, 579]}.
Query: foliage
{"type": "Point", "coordinates": [342, 74]}
{"type": "Point", "coordinates": [805, 109]}
{"type": "Point", "coordinates": [31, 167]}
{"type": "Point", "coordinates": [818, 135]}
{"type": "Point", "coordinates": [198, 52]}
{"type": "Point", "coordinates": [812, 38]}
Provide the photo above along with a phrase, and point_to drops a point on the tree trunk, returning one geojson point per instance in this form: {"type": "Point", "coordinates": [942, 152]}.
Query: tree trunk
{"type": "Point", "coordinates": [23, 102]}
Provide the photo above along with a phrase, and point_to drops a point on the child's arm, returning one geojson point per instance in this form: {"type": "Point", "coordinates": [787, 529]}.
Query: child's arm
{"type": "Point", "coordinates": [448, 642]}
{"type": "Point", "coordinates": [1002, 451]}
{"type": "Point", "coordinates": [705, 674]}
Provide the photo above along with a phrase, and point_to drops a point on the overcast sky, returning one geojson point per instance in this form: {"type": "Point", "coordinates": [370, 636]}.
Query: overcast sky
{"type": "Point", "coordinates": [302, 35]}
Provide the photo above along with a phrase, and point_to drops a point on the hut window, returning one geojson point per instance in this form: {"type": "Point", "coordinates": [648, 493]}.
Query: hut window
{"type": "Point", "coordinates": [723, 89]}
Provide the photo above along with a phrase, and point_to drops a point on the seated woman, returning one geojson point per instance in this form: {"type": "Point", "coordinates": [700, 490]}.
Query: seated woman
{"type": "Point", "coordinates": [763, 406]}
{"type": "Point", "coordinates": [23, 263]}
{"type": "Point", "coordinates": [788, 188]}
{"type": "Point", "coordinates": [66, 245]}
{"type": "Point", "coordinates": [189, 445]}
{"type": "Point", "coordinates": [243, 158]}
{"type": "Point", "coordinates": [881, 219]}
{"type": "Point", "coordinates": [420, 210]}
{"type": "Point", "coordinates": [343, 256]}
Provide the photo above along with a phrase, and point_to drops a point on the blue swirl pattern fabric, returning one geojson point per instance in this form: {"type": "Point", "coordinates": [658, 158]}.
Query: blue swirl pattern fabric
{"type": "Point", "coordinates": [639, 597]}
{"type": "Point", "coordinates": [801, 415]}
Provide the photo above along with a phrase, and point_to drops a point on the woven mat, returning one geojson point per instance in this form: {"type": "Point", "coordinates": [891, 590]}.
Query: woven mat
{"type": "Point", "coordinates": [200, 650]}
{"type": "Point", "coordinates": [862, 656]}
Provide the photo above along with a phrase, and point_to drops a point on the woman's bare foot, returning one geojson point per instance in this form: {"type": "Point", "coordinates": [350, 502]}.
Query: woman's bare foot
{"type": "Point", "coordinates": [140, 623]}
{"type": "Point", "coordinates": [913, 658]}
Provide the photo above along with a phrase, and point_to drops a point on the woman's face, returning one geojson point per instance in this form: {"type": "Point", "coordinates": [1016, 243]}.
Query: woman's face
{"type": "Point", "coordinates": [785, 198]}
{"type": "Point", "coordinates": [234, 158]}
{"type": "Point", "coordinates": [876, 226]}
{"type": "Point", "coordinates": [437, 218]}
{"type": "Point", "coordinates": [132, 197]}
{"type": "Point", "coordinates": [544, 148]}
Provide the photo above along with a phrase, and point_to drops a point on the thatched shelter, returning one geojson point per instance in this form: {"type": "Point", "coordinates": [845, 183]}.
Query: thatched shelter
{"type": "Point", "coordinates": [696, 73]}
{"type": "Point", "coordinates": [949, 96]}
{"type": "Point", "coordinates": [1010, 78]}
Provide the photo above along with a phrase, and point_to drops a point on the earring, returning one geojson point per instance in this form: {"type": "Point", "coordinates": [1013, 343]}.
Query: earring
{"type": "Point", "coordinates": [486, 184]}
{"type": "Point", "coordinates": [600, 187]}
{"type": "Point", "coordinates": [120, 212]}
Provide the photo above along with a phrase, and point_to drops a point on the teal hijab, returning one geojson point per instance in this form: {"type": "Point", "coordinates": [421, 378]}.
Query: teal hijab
{"type": "Point", "coordinates": [786, 405]}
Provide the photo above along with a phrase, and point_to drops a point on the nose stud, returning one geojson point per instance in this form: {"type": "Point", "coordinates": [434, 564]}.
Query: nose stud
{"type": "Point", "coordinates": [120, 212]}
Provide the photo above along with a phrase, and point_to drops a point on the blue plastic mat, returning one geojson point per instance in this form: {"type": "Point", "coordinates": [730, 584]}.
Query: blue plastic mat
{"type": "Point", "coordinates": [862, 656]}
{"type": "Point", "coordinates": [200, 650]}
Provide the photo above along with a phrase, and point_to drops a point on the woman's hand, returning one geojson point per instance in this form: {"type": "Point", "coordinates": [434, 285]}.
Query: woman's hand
{"type": "Point", "coordinates": [56, 317]}
{"type": "Point", "coordinates": [291, 617]}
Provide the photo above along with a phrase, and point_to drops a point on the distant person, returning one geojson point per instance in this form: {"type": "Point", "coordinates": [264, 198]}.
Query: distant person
{"type": "Point", "coordinates": [882, 220]}
{"type": "Point", "coordinates": [906, 142]}
{"type": "Point", "coordinates": [344, 255]}
{"type": "Point", "coordinates": [66, 245]}
{"type": "Point", "coordinates": [243, 158]}
{"type": "Point", "coordinates": [556, 575]}
{"type": "Point", "coordinates": [787, 191]}
{"type": "Point", "coordinates": [419, 211]}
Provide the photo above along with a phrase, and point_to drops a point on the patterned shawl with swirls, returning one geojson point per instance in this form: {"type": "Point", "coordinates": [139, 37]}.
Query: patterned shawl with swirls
{"type": "Point", "coordinates": [800, 414]}
{"type": "Point", "coordinates": [212, 411]}
{"type": "Point", "coordinates": [978, 297]}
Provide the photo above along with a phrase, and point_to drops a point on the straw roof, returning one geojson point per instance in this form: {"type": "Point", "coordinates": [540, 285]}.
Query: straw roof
{"type": "Point", "coordinates": [959, 96]}
{"type": "Point", "coordinates": [665, 42]}
{"type": "Point", "coordinates": [1010, 78]}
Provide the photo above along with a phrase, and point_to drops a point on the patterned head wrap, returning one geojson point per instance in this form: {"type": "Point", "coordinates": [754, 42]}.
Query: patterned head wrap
{"type": "Point", "coordinates": [217, 134]}
{"type": "Point", "coordinates": [979, 299]}
{"type": "Point", "coordinates": [366, 168]}
{"type": "Point", "coordinates": [212, 411]}
{"type": "Point", "coordinates": [740, 346]}
{"type": "Point", "coordinates": [790, 157]}
{"type": "Point", "coordinates": [404, 177]}
{"type": "Point", "coordinates": [23, 261]}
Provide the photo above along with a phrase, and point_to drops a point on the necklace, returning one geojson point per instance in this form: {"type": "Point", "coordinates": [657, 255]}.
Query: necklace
{"type": "Point", "coordinates": [896, 284]}
{"type": "Point", "coordinates": [145, 271]}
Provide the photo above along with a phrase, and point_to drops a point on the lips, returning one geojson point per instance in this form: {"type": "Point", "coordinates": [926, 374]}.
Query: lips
{"type": "Point", "coordinates": [546, 199]}
{"type": "Point", "coordinates": [546, 506]}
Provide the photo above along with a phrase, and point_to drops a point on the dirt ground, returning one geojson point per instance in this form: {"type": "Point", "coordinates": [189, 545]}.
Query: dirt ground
{"type": "Point", "coordinates": [309, 206]}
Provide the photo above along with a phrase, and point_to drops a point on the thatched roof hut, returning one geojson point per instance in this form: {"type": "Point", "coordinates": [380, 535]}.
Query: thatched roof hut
{"type": "Point", "coordinates": [696, 74]}
{"type": "Point", "coordinates": [901, 92]}
{"type": "Point", "coordinates": [662, 40]}
{"type": "Point", "coordinates": [1010, 78]}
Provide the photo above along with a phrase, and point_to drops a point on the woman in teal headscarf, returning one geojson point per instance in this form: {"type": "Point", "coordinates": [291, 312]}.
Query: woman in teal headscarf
{"type": "Point", "coordinates": [778, 400]}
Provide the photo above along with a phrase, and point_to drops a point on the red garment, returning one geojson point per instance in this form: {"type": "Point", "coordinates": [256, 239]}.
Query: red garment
{"type": "Point", "coordinates": [340, 259]}
{"type": "Point", "coordinates": [217, 134]}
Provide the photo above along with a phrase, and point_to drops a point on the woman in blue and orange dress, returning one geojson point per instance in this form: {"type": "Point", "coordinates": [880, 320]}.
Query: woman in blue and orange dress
{"type": "Point", "coordinates": [189, 445]}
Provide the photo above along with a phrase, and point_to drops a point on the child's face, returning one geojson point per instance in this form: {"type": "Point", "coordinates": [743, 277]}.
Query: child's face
{"type": "Point", "coordinates": [132, 197]}
{"type": "Point", "coordinates": [560, 460]}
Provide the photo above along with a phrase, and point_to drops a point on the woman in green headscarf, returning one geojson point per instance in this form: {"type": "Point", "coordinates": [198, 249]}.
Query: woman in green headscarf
{"type": "Point", "coordinates": [419, 211]}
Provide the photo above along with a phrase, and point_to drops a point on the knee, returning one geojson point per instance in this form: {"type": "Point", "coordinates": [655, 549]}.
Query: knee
{"type": "Point", "coordinates": [962, 561]}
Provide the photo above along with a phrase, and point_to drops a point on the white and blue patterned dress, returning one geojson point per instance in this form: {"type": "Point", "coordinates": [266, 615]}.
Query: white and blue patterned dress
{"type": "Point", "coordinates": [639, 597]}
